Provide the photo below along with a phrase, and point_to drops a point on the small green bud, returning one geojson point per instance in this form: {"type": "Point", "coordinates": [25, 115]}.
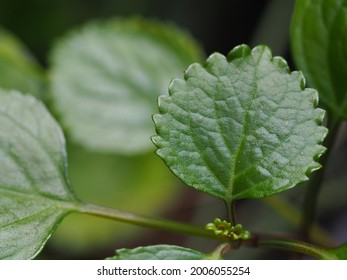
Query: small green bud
{"type": "Point", "coordinates": [224, 228]}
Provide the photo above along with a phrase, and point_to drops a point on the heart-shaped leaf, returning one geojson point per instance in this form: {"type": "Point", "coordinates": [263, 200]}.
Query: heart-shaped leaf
{"type": "Point", "coordinates": [107, 76]}
{"type": "Point", "coordinates": [159, 252]}
{"type": "Point", "coordinates": [319, 47]}
{"type": "Point", "coordinates": [34, 188]}
{"type": "Point", "coordinates": [18, 69]}
{"type": "Point", "coordinates": [240, 127]}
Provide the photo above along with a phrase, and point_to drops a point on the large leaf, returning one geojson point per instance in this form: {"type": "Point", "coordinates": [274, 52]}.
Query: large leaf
{"type": "Point", "coordinates": [34, 188]}
{"type": "Point", "coordinates": [107, 76]}
{"type": "Point", "coordinates": [319, 46]}
{"type": "Point", "coordinates": [18, 69]}
{"type": "Point", "coordinates": [159, 252]}
{"type": "Point", "coordinates": [240, 127]}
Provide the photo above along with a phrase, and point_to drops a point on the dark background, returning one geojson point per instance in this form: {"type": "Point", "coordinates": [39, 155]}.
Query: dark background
{"type": "Point", "coordinates": [219, 25]}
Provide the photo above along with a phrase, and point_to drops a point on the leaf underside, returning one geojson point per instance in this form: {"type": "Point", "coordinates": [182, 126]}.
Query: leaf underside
{"type": "Point", "coordinates": [34, 189]}
{"type": "Point", "coordinates": [319, 40]}
{"type": "Point", "coordinates": [107, 76]}
{"type": "Point", "coordinates": [159, 252]}
{"type": "Point", "coordinates": [240, 127]}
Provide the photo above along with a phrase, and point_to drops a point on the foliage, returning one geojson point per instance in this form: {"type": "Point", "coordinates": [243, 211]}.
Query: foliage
{"type": "Point", "coordinates": [158, 252]}
{"type": "Point", "coordinates": [319, 49]}
{"type": "Point", "coordinates": [34, 187]}
{"type": "Point", "coordinates": [241, 126]}
{"type": "Point", "coordinates": [236, 127]}
{"type": "Point", "coordinates": [101, 78]}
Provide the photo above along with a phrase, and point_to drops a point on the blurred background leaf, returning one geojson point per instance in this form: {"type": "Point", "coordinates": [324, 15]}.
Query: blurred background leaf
{"type": "Point", "coordinates": [106, 77]}
{"type": "Point", "coordinates": [18, 68]}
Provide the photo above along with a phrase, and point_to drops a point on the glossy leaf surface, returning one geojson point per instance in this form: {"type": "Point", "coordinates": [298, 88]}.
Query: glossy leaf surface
{"type": "Point", "coordinates": [319, 47]}
{"type": "Point", "coordinates": [159, 252]}
{"type": "Point", "coordinates": [34, 188]}
{"type": "Point", "coordinates": [240, 127]}
{"type": "Point", "coordinates": [18, 69]}
{"type": "Point", "coordinates": [107, 76]}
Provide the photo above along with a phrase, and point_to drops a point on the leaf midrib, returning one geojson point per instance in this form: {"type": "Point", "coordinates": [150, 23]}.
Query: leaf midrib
{"type": "Point", "coordinates": [66, 205]}
{"type": "Point", "coordinates": [230, 187]}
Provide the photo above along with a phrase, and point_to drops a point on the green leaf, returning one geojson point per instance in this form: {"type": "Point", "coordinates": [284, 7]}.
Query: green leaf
{"type": "Point", "coordinates": [240, 127]}
{"type": "Point", "coordinates": [319, 47]}
{"type": "Point", "coordinates": [18, 69]}
{"type": "Point", "coordinates": [107, 76]}
{"type": "Point", "coordinates": [159, 252]}
{"type": "Point", "coordinates": [339, 252]}
{"type": "Point", "coordinates": [34, 188]}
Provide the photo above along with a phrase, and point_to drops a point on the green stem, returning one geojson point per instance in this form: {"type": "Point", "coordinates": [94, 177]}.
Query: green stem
{"type": "Point", "coordinates": [145, 221]}
{"type": "Point", "coordinates": [181, 228]}
{"type": "Point", "coordinates": [230, 205]}
{"type": "Point", "coordinates": [314, 185]}
{"type": "Point", "coordinates": [291, 245]}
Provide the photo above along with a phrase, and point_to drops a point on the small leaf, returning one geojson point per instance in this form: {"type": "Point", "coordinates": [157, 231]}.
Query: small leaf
{"type": "Point", "coordinates": [34, 188]}
{"type": "Point", "coordinates": [240, 127]}
{"type": "Point", "coordinates": [319, 40]}
{"type": "Point", "coordinates": [159, 252]}
{"type": "Point", "coordinates": [107, 76]}
{"type": "Point", "coordinates": [18, 69]}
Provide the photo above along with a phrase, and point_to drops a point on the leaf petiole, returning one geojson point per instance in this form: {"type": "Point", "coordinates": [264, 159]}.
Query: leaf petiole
{"type": "Point", "coordinates": [145, 221]}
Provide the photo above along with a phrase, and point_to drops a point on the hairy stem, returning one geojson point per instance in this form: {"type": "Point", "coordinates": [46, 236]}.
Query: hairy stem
{"type": "Point", "coordinates": [314, 185]}
{"type": "Point", "coordinates": [290, 245]}
{"type": "Point", "coordinates": [145, 221]}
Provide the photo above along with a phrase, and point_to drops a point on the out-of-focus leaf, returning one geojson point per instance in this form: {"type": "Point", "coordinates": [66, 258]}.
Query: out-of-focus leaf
{"type": "Point", "coordinates": [18, 69]}
{"type": "Point", "coordinates": [340, 252]}
{"type": "Point", "coordinates": [107, 76]}
{"type": "Point", "coordinates": [240, 127]}
{"type": "Point", "coordinates": [319, 47]}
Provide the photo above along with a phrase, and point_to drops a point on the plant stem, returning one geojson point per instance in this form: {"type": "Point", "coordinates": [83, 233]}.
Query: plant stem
{"type": "Point", "coordinates": [187, 229]}
{"type": "Point", "coordinates": [230, 205]}
{"type": "Point", "coordinates": [290, 245]}
{"type": "Point", "coordinates": [315, 183]}
{"type": "Point", "coordinates": [145, 221]}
